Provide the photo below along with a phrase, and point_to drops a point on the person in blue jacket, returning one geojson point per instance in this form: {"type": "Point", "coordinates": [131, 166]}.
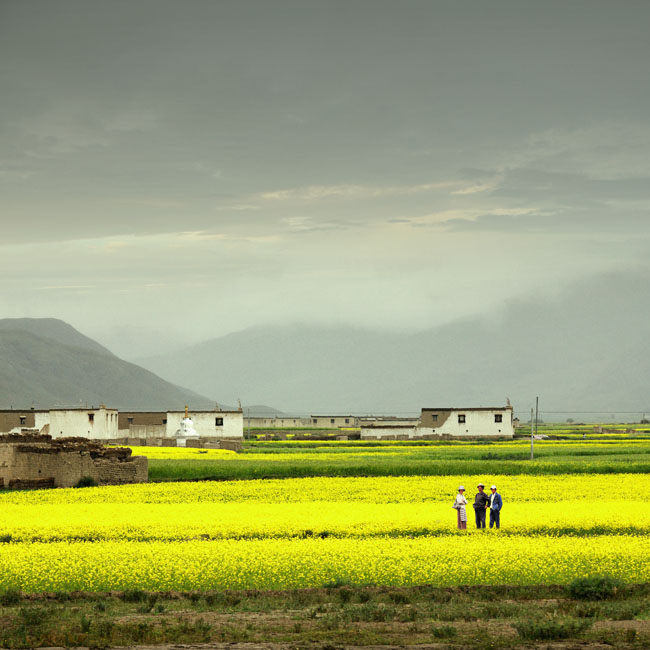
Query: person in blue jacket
{"type": "Point", "coordinates": [496, 503]}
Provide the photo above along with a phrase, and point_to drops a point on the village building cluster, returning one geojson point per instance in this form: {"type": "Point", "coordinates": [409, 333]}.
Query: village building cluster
{"type": "Point", "coordinates": [226, 428]}
{"type": "Point", "coordinates": [154, 428]}
{"type": "Point", "coordinates": [61, 447]}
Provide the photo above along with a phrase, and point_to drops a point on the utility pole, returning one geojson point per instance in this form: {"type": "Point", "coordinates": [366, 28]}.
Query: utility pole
{"type": "Point", "coordinates": [532, 450]}
{"type": "Point", "coordinates": [249, 423]}
{"type": "Point", "coordinates": [536, 414]}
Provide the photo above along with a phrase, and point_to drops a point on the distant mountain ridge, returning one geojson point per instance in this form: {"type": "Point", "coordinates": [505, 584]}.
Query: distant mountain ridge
{"type": "Point", "coordinates": [585, 349]}
{"type": "Point", "coordinates": [60, 367]}
{"type": "Point", "coordinates": [55, 329]}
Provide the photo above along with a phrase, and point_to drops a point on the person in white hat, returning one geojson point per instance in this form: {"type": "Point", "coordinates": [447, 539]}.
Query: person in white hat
{"type": "Point", "coordinates": [459, 506]}
{"type": "Point", "coordinates": [496, 503]}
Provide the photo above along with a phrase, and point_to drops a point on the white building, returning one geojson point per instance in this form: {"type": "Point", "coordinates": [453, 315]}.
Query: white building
{"type": "Point", "coordinates": [99, 424]}
{"type": "Point", "coordinates": [208, 424]}
{"type": "Point", "coordinates": [472, 422]}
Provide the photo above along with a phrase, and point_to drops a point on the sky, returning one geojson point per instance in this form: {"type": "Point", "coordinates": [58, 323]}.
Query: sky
{"type": "Point", "coordinates": [175, 171]}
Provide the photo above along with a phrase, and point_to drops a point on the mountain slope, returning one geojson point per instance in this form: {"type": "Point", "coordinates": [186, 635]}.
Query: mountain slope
{"type": "Point", "coordinates": [45, 373]}
{"type": "Point", "coordinates": [55, 329]}
{"type": "Point", "coordinates": [585, 349]}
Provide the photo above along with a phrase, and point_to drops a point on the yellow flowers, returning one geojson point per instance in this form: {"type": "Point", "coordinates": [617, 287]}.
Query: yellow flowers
{"type": "Point", "coordinates": [278, 564]}
{"type": "Point", "coordinates": [178, 453]}
{"type": "Point", "coordinates": [306, 532]}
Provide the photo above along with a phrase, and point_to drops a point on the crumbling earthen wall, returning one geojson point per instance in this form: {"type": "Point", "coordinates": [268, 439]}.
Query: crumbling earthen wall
{"type": "Point", "coordinates": [34, 460]}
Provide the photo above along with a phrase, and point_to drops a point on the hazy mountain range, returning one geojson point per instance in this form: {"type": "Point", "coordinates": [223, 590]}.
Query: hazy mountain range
{"type": "Point", "coordinates": [582, 350]}
{"type": "Point", "coordinates": [47, 363]}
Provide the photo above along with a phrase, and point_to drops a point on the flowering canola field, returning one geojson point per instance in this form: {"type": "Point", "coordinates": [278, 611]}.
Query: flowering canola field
{"type": "Point", "coordinates": [311, 531]}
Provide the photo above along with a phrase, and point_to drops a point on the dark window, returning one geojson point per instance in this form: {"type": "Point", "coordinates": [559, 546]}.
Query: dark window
{"type": "Point", "coordinates": [23, 419]}
{"type": "Point", "coordinates": [91, 417]}
{"type": "Point", "coordinates": [347, 420]}
{"type": "Point", "coordinates": [129, 420]}
{"type": "Point", "coordinates": [332, 421]}
{"type": "Point", "coordinates": [434, 417]}
{"type": "Point", "coordinates": [461, 419]}
{"type": "Point", "coordinates": [498, 417]}
{"type": "Point", "coordinates": [315, 421]}
{"type": "Point", "coordinates": [218, 422]}
{"type": "Point", "coordinates": [164, 420]}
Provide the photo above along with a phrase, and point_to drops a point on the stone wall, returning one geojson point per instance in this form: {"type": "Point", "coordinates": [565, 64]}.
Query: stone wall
{"type": "Point", "coordinates": [32, 460]}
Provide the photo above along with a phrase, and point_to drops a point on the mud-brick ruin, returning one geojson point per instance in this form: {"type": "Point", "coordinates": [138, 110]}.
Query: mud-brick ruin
{"type": "Point", "coordinates": [34, 460]}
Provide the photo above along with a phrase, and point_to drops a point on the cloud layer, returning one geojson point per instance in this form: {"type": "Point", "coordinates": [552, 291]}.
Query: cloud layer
{"type": "Point", "coordinates": [362, 162]}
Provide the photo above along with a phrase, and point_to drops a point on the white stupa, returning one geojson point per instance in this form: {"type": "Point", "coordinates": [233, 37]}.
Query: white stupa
{"type": "Point", "coordinates": [186, 431]}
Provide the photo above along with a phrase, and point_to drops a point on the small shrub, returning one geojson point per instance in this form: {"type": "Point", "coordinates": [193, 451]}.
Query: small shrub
{"type": "Point", "coordinates": [10, 597]}
{"type": "Point", "coordinates": [85, 623]}
{"type": "Point", "coordinates": [399, 597]}
{"type": "Point", "coordinates": [345, 594]}
{"type": "Point", "coordinates": [213, 599]}
{"type": "Point", "coordinates": [444, 632]}
{"type": "Point", "coordinates": [588, 610]}
{"type": "Point", "coordinates": [34, 616]}
{"type": "Point", "coordinates": [5, 539]}
{"type": "Point", "coordinates": [624, 611]}
{"type": "Point", "coordinates": [86, 481]}
{"type": "Point", "coordinates": [104, 629]}
{"type": "Point", "coordinates": [100, 606]}
{"type": "Point", "coordinates": [553, 628]}
{"type": "Point", "coordinates": [375, 613]}
{"type": "Point", "coordinates": [133, 596]}
{"type": "Point", "coordinates": [594, 588]}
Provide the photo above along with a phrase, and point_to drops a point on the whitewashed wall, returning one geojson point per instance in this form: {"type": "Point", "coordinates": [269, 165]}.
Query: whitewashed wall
{"type": "Point", "coordinates": [204, 423]}
{"type": "Point", "coordinates": [69, 423]}
{"type": "Point", "coordinates": [477, 423]}
{"type": "Point", "coordinates": [41, 418]}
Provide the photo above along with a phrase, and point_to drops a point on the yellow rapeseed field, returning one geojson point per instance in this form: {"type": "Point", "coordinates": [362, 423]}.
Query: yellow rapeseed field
{"type": "Point", "coordinates": [307, 532]}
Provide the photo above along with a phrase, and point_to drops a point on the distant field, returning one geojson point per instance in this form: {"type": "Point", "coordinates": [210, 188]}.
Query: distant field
{"type": "Point", "coordinates": [292, 459]}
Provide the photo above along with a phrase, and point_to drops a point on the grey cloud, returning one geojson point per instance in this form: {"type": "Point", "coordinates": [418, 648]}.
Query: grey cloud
{"type": "Point", "coordinates": [238, 149]}
{"type": "Point", "coordinates": [589, 221]}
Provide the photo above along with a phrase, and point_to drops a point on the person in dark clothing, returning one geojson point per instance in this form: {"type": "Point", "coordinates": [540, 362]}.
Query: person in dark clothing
{"type": "Point", "coordinates": [481, 504]}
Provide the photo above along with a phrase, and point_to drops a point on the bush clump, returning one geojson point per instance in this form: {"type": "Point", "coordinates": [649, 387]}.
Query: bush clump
{"type": "Point", "coordinates": [134, 596]}
{"type": "Point", "coordinates": [10, 597]}
{"type": "Point", "coordinates": [444, 632]}
{"type": "Point", "coordinates": [595, 588]}
{"type": "Point", "coordinates": [86, 481]}
{"type": "Point", "coordinates": [560, 627]}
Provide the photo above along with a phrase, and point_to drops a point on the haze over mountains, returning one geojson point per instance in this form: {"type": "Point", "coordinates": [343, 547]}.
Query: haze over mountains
{"type": "Point", "coordinates": [47, 363]}
{"type": "Point", "coordinates": [584, 350]}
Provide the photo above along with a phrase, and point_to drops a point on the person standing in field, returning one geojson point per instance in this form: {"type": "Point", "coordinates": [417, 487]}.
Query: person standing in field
{"type": "Point", "coordinates": [459, 505]}
{"type": "Point", "coordinates": [496, 503]}
{"type": "Point", "coordinates": [481, 504]}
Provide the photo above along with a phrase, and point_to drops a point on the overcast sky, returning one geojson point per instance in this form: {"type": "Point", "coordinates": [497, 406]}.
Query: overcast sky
{"type": "Point", "coordinates": [196, 167]}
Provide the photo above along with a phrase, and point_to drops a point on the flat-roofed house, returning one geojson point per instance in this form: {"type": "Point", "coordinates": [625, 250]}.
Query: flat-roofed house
{"type": "Point", "coordinates": [470, 422]}
{"type": "Point", "coordinates": [97, 424]}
